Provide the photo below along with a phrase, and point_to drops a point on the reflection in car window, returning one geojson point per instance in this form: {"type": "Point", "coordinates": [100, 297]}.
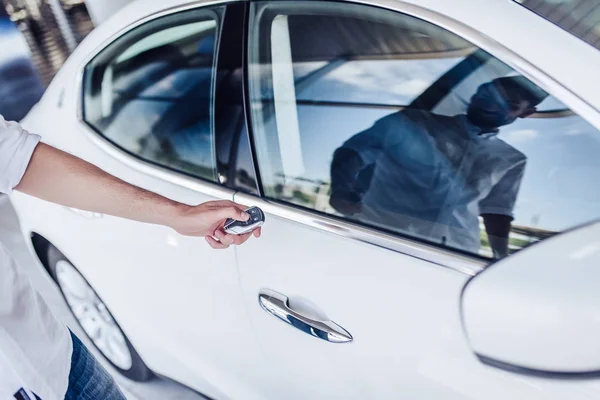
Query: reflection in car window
{"type": "Point", "coordinates": [404, 127]}
{"type": "Point", "coordinates": [150, 92]}
{"type": "Point", "coordinates": [579, 17]}
{"type": "Point", "coordinates": [389, 82]}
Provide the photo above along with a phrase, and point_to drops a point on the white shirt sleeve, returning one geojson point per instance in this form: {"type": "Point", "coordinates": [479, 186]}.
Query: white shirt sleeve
{"type": "Point", "coordinates": [503, 196]}
{"type": "Point", "coordinates": [16, 148]}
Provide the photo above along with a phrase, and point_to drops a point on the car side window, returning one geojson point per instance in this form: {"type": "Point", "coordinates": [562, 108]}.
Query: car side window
{"type": "Point", "coordinates": [151, 92]}
{"type": "Point", "coordinates": [392, 122]}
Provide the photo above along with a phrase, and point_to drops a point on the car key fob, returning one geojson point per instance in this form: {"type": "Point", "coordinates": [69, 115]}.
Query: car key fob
{"type": "Point", "coordinates": [235, 227]}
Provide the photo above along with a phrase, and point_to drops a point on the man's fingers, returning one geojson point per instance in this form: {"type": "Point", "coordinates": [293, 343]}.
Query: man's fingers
{"type": "Point", "coordinates": [220, 203]}
{"type": "Point", "coordinates": [241, 239]}
{"type": "Point", "coordinates": [215, 244]}
{"type": "Point", "coordinates": [229, 209]}
{"type": "Point", "coordinates": [233, 212]}
{"type": "Point", "coordinates": [229, 240]}
{"type": "Point", "coordinates": [224, 238]}
{"type": "Point", "coordinates": [226, 203]}
{"type": "Point", "coordinates": [257, 232]}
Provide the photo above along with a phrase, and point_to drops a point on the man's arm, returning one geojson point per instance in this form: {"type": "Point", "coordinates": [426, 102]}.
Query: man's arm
{"type": "Point", "coordinates": [352, 167]}
{"type": "Point", "coordinates": [497, 208]}
{"type": "Point", "coordinates": [498, 230]}
{"type": "Point", "coordinates": [345, 168]}
{"type": "Point", "coordinates": [61, 178]}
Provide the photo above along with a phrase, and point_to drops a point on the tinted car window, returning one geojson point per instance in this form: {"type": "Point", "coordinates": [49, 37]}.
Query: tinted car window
{"type": "Point", "coordinates": [392, 122]}
{"type": "Point", "coordinates": [151, 92]}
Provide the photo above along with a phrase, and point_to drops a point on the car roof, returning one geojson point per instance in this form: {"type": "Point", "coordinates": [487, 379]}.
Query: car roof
{"type": "Point", "coordinates": [131, 12]}
{"type": "Point", "coordinates": [537, 41]}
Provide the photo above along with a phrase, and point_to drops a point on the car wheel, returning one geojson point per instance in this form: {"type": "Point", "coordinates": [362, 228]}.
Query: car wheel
{"type": "Point", "coordinates": [95, 319]}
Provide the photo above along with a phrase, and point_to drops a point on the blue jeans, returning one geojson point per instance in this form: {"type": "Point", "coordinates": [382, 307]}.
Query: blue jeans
{"type": "Point", "coordinates": [88, 380]}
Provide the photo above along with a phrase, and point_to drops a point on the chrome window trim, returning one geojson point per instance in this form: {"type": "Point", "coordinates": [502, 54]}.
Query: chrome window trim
{"type": "Point", "coordinates": [137, 163]}
{"type": "Point", "coordinates": [439, 256]}
{"type": "Point", "coordinates": [468, 265]}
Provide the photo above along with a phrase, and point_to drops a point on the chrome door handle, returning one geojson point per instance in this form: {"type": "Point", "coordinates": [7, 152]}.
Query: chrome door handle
{"type": "Point", "coordinates": [277, 305]}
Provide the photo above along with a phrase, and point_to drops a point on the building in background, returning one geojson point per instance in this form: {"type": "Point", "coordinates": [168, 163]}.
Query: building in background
{"type": "Point", "coordinates": [36, 37]}
{"type": "Point", "coordinates": [51, 28]}
{"type": "Point", "coordinates": [20, 84]}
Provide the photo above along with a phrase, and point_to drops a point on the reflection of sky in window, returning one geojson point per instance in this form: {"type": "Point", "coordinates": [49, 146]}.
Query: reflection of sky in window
{"type": "Point", "coordinates": [124, 83]}
{"type": "Point", "coordinates": [558, 190]}
{"type": "Point", "coordinates": [551, 104]}
{"type": "Point", "coordinates": [392, 82]}
{"type": "Point", "coordinates": [323, 129]}
{"type": "Point", "coordinates": [134, 122]}
{"type": "Point", "coordinates": [180, 82]}
{"type": "Point", "coordinates": [305, 68]}
{"type": "Point", "coordinates": [166, 36]}
{"type": "Point", "coordinates": [192, 144]}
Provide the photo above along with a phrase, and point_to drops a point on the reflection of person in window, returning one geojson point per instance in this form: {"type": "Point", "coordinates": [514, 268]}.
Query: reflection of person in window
{"type": "Point", "coordinates": [431, 176]}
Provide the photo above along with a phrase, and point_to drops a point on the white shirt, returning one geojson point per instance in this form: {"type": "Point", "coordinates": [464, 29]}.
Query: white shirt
{"type": "Point", "coordinates": [35, 348]}
{"type": "Point", "coordinates": [434, 175]}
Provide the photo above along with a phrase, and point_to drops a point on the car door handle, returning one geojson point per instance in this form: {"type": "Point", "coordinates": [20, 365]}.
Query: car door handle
{"type": "Point", "coordinates": [277, 305]}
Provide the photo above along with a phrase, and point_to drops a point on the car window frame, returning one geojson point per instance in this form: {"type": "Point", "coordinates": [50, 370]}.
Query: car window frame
{"type": "Point", "coordinates": [464, 262]}
{"type": "Point", "coordinates": [230, 143]}
{"type": "Point", "coordinates": [186, 180]}
{"type": "Point", "coordinates": [117, 49]}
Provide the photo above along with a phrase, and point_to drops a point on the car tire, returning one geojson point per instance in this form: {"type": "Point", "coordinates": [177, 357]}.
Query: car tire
{"type": "Point", "coordinates": [95, 319]}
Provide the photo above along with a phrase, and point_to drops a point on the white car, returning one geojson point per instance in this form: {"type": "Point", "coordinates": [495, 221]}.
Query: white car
{"type": "Point", "coordinates": [358, 299]}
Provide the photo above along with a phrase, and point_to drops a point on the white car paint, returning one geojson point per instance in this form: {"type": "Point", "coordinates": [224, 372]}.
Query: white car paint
{"type": "Point", "coordinates": [516, 311]}
{"type": "Point", "coordinates": [101, 10]}
{"type": "Point", "coordinates": [193, 313]}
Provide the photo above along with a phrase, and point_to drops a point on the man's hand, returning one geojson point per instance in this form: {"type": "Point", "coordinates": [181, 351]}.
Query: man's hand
{"type": "Point", "coordinates": [498, 231]}
{"type": "Point", "coordinates": [346, 203]}
{"type": "Point", "coordinates": [208, 219]}
{"type": "Point", "coordinates": [61, 178]}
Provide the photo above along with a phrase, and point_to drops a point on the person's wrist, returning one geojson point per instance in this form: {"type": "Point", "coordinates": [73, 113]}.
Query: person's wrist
{"type": "Point", "coordinates": [173, 214]}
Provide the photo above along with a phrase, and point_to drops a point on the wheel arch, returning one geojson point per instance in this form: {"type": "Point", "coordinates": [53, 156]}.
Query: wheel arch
{"type": "Point", "coordinates": [40, 247]}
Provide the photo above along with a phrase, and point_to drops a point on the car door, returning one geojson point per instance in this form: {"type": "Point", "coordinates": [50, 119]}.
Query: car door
{"type": "Point", "coordinates": [359, 297]}
{"type": "Point", "coordinates": [148, 116]}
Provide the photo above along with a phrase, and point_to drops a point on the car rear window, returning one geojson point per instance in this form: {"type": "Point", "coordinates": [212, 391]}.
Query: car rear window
{"type": "Point", "coordinates": [579, 17]}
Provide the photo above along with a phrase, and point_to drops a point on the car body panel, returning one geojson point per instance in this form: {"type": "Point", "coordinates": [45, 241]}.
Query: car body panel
{"type": "Point", "coordinates": [184, 293]}
{"type": "Point", "coordinates": [153, 279]}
